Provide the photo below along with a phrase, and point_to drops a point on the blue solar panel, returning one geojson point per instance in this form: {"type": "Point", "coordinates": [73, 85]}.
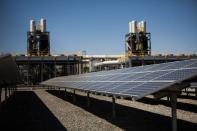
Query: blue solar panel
{"type": "Point", "coordinates": [135, 82]}
{"type": "Point", "coordinates": [178, 74]}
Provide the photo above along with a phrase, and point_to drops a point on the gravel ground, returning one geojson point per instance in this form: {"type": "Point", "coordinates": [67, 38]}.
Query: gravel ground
{"type": "Point", "coordinates": [52, 110]}
{"type": "Point", "coordinates": [71, 116]}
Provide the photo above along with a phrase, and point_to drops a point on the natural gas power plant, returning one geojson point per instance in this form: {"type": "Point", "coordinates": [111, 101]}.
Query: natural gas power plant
{"type": "Point", "coordinates": [138, 40]}
{"type": "Point", "coordinates": [38, 40]}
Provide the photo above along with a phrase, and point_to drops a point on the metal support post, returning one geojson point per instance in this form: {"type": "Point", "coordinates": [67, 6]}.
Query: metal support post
{"type": "Point", "coordinates": [173, 99]}
{"type": "Point", "coordinates": [9, 93]}
{"type": "Point", "coordinates": [11, 90]}
{"type": "Point", "coordinates": [78, 68]}
{"type": "Point", "coordinates": [168, 98]}
{"type": "Point", "coordinates": [113, 107]}
{"type": "Point", "coordinates": [28, 72]}
{"type": "Point", "coordinates": [143, 61]}
{"type": "Point", "coordinates": [41, 72]}
{"type": "Point", "coordinates": [154, 61]}
{"type": "Point", "coordinates": [55, 74]}
{"type": "Point", "coordinates": [65, 93]}
{"type": "Point", "coordinates": [88, 99]}
{"type": "Point", "coordinates": [130, 61]}
{"type": "Point", "coordinates": [6, 93]}
{"type": "Point", "coordinates": [59, 91]}
{"type": "Point", "coordinates": [68, 68]}
{"type": "Point", "coordinates": [0, 95]}
{"type": "Point", "coordinates": [0, 98]}
{"type": "Point", "coordinates": [74, 97]}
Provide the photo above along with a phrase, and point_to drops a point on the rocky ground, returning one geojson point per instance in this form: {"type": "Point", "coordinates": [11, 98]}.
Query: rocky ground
{"type": "Point", "coordinates": [52, 110]}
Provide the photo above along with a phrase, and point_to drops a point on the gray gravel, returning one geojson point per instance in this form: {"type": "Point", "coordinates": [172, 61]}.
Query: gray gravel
{"type": "Point", "coordinates": [130, 115]}
{"type": "Point", "coordinates": [73, 117]}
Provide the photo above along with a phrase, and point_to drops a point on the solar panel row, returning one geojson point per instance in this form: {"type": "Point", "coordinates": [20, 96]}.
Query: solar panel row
{"type": "Point", "coordinates": [135, 82]}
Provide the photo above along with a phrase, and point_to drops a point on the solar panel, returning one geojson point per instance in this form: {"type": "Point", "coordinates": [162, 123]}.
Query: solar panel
{"type": "Point", "coordinates": [135, 82]}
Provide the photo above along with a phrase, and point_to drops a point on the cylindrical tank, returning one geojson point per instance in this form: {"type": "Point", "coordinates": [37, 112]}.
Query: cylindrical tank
{"type": "Point", "coordinates": [43, 25]}
{"type": "Point", "coordinates": [139, 26]}
{"type": "Point", "coordinates": [32, 26]}
{"type": "Point", "coordinates": [143, 26]}
{"type": "Point", "coordinates": [133, 26]}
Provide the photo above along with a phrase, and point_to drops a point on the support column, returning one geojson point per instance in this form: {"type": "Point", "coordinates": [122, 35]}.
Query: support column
{"type": "Point", "coordinates": [168, 98]}
{"type": "Point", "coordinates": [59, 91]}
{"type": "Point", "coordinates": [154, 61]}
{"type": "Point", "coordinates": [88, 99]}
{"type": "Point", "coordinates": [65, 93]}
{"type": "Point", "coordinates": [6, 93]}
{"type": "Point", "coordinates": [10, 90]}
{"type": "Point", "coordinates": [173, 99]}
{"type": "Point", "coordinates": [41, 72]}
{"type": "Point", "coordinates": [55, 73]}
{"type": "Point", "coordinates": [113, 107]}
{"type": "Point", "coordinates": [80, 65]}
{"type": "Point", "coordinates": [143, 61]}
{"type": "Point", "coordinates": [68, 68]}
{"type": "Point", "coordinates": [74, 97]}
{"type": "Point", "coordinates": [9, 93]}
{"type": "Point", "coordinates": [130, 61]}
{"type": "Point", "coordinates": [28, 72]}
{"type": "Point", "coordinates": [78, 68]}
{"type": "Point", "coordinates": [0, 98]}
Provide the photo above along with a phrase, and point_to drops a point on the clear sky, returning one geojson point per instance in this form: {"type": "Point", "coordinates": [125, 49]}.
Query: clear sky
{"type": "Point", "coordinates": [99, 26]}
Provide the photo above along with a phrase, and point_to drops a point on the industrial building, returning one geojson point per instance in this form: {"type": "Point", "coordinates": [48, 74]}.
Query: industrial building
{"type": "Point", "coordinates": [34, 69]}
{"type": "Point", "coordinates": [39, 65]}
{"type": "Point", "coordinates": [138, 40]}
{"type": "Point", "coordinates": [137, 52]}
{"type": "Point", "coordinates": [38, 39]}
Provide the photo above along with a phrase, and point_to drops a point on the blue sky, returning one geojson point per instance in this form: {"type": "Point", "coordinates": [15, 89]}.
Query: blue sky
{"type": "Point", "coordinates": [99, 26]}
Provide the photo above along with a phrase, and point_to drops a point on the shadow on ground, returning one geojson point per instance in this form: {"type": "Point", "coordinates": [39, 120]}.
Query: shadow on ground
{"type": "Point", "coordinates": [127, 118]}
{"type": "Point", "coordinates": [24, 111]}
{"type": "Point", "coordinates": [180, 105]}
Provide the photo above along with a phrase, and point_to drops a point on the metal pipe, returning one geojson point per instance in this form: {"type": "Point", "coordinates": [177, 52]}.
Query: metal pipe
{"type": "Point", "coordinates": [88, 99]}
{"type": "Point", "coordinates": [173, 99]}
{"type": "Point", "coordinates": [113, 107]}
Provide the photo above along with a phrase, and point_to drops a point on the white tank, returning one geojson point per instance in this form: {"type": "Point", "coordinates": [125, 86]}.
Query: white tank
{"type": "Point", "coordinates": [143, 26]}
{"type": "Point", "coordinates": [43, 25]}
{"type": "Point", "coordinates": [133, 26]}
{"type": "Point", "coordinates": [32, 26]}
{"type": "Point", "coordinates": [139, 26]}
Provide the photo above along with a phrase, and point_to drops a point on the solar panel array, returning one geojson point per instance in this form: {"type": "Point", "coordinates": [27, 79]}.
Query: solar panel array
{"type": "Point", "coordinates": [135, 82]}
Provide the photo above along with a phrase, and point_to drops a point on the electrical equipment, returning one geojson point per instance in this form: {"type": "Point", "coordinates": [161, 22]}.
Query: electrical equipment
{"type": "Point", "coordinates": [138, 40]}
{"type": "Point", "coordinates": [38, 41]}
